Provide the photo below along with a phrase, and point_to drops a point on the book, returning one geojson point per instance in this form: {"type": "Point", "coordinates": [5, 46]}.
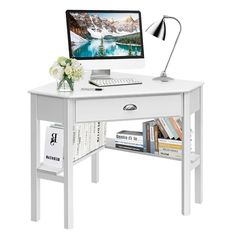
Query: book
{"type": "Point", "coordinates": [53, 150]}
{"type": "Point", "coordinates": [152, 140]}
{"type": "Point", "coordinates": [144, 137]}
{"type": "Point", "coordinates": [78, 141]}
{"type": "Point", "coordinates": [170, 148]}
{"type": "Point", "coordinates": [86, 138]}
{"type": "Point", "coordinates": [178, 122]}
{"type": "Point", "coordinates": [148, 137]}
{"type": "Point", "coordinates": [172, 130]}
{"type": "Point", "coordinates": [166, 128]}
{"type": "Point", "coordinates": [156, 133]}
{"type": "Point", "coordinates": [176, 127]}
{"type": "Point", "coordinates": [129, 144]}
{"type": "Point", "coordinates": [129, 147]}
{"type": "Point", "coordinates": [161, 128]}
{"type": "Point", "coordinates": [134, 137]}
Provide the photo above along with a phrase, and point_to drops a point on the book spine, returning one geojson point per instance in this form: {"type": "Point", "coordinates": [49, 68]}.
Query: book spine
{"type": "Point", "coordinates": [178, 122]}
{"type": "Point", "coordinates": [129, 147]}
{"type": "Point", "coordinates": [85, 139]}
{"type": "Point", "coordinates": [148, 136]}
{"type": "Point", "coordinates": [161, 128]}
{"type": "Point", "coordinates": [90, 136]}
{"type": "Point", "coordinates": [169, 141]}
{"type": "Point", "coordinates": [131, 139]}
{"type": "Point", "coordinates": [82, 138]}
{"type": "Point", "coordinates": [129, 144]}
{"type": "Point", "coordinates": [168, 153]}
{"type": "Point", "coordinates": [172, 130]}
{"type": "Point", "coordinates": [156, 137]}
{"type": "Point", "coordinates": [94, 136]}
{"type": "Point", "coordinates": [170, 146]}
{"type": "Point", "coordinates": [105, 132]}
{"type": "Point", "coordinates": [74, 142]}
{"type": "Point", "coordinates": [77, 134]}
{"type": "Point", "coordinates": [176, 127]}
{"type": "Point", "coordinates": [144, 137]}
{"type": "Point", "coordinates": [98, 133]}
{"type": "Point", "coordinates": [152, 143]}
{"type": "Point", "coordinates": [166, 128]}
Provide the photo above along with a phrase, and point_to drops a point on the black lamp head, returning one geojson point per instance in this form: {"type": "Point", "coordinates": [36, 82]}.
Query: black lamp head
{"type": "Point", "coordinates": [158, 30]}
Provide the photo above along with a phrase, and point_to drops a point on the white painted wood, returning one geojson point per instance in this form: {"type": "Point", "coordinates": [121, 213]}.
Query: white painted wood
{"type": "Point", "coordinates": [69, 121]}
{"type": "Point", "coordinates": [174, 98]}
{"type": "Point", "coordinates": [186, 168]}
{"type": "Point", "coordinates": [198, 147]}
{"type": "Point", "coordinates": [49, 169]}
{"type": "Point", "coordinates": [110, 144]}
{"type": "Point", "coordinates": [48, 176]}
{"type": "Point", "coordinates": [195, 100]}
{"type": "Point", "coordinates": [56, 171]}
{"type": "Point", "coordinates": [195, 160]}
{"type": "Point", "coordinates": [112, 109]}
{"type": "Point", "coordinates": [50, 109]}
{"type": "Point", "coordinates": [148, 88]}
{"type": "Point", "coordinates": [95, 167]}
{"type": "Point", "coordinates": [35, 160]}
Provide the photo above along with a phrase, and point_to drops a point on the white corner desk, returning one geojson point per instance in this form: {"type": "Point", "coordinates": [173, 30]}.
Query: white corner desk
{"type": "Point", "coordinates": [148, 100]}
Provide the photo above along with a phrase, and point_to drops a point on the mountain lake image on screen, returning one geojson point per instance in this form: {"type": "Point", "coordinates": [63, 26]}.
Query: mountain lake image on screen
{"type": "Point", "coordinates": [104, 34]}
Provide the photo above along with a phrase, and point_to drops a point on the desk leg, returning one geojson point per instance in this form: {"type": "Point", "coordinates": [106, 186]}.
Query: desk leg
{"type": "Point", "coordinates": [69, 110]}
{"type": "Point", "coordinates": [198, 147]}
{"type": "Point", "coordinates": [35, 160]}
{"type": "Point", "coordinates": [186, 172]}
{"type": "Point", "coordinates": [95, 167]}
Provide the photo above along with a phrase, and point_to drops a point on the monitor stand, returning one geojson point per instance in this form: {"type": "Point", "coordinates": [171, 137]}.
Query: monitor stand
{"type": "Point", "coordinates": [100, 74]}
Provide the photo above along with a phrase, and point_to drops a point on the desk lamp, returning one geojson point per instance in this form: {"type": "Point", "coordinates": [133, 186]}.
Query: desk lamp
{"type": "Point", "coordinates": [158, 30]}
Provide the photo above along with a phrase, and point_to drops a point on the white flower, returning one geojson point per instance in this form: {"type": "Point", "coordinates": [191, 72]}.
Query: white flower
{"type": "Point", "coordinates": [64, 67]}
{"type": "Point", "coordinates": [75, 63]}
{"type": "Point", "coordinates": [56, 71]}
{"type": "Point", "coordinates": [69, 70]}
{"type": "Point", "coordinates": [63, 61]}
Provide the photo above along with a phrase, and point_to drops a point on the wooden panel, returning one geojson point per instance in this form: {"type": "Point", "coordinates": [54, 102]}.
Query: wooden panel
{"type": "Point", "coordinates": [50, 109]}
{"type": "Point", "coordinates": [194, 100]}
{"type": "Point", "coordinates": [112, 108]}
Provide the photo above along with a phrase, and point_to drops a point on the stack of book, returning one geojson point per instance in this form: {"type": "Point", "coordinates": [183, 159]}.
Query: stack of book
{"type": "Point", "coordinates": [130, 140]}
{"type": "Point", "coordinates": [162, 136]}
{"type": "Point", "coordinates": [86, 138]}
{"type": "Point", "coordinates": [170, 138]}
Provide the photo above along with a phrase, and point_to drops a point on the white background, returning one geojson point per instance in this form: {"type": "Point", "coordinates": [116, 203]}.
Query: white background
{"type": "Point", "coordinates": [137, 195]}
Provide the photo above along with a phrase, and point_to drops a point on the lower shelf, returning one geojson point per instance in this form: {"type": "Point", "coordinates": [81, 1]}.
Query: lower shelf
{"type": "Point", "coordinates": [110, 143]}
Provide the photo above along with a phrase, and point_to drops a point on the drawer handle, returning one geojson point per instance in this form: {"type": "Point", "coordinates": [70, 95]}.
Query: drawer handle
{"type": "Point", "coordinates": [130, 107]}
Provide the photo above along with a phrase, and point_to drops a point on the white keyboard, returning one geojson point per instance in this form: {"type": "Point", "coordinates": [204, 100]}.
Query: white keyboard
{"type": "Point", "coordinates": [114, 82]}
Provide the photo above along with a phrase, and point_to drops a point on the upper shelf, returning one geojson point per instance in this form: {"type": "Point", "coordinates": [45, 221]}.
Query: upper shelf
{"type": "Point", "coordinates": [148, 87]}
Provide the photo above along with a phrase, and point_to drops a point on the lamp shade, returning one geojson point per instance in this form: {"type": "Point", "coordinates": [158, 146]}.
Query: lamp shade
{"type": "Point", "coordinates": [158, 30]}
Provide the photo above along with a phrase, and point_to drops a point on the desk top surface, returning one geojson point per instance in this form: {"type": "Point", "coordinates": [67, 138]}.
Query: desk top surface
{"type": "Point", "coordinates": [148, 87]}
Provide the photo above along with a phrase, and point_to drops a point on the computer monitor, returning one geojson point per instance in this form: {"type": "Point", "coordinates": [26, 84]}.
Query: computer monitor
{"type": "Point", "coordinates": [104, 39]}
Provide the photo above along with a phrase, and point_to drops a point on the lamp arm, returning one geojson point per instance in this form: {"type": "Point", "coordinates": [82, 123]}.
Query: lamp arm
{"type": "Point", "coordinates": [180, 29]}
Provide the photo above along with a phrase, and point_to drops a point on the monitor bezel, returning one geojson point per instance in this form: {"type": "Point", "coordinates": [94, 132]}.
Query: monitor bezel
{"type": "Point", "coordinates": [107, 57]}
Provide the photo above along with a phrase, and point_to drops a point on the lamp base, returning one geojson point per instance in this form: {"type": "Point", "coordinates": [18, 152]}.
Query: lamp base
{"type": "Point", "coordinates": [163, 77]}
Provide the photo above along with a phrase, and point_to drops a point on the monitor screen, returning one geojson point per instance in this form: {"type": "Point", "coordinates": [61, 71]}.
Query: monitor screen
{"type": "Point", "coordinates": [104, 34]}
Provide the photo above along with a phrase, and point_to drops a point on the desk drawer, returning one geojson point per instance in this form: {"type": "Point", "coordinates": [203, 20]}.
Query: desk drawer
{"type": "Point", "coordinates": [126, 108]}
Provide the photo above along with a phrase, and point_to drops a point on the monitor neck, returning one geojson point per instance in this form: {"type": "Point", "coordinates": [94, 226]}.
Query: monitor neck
{"type": "Point", "coordinates": [103, 74]}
